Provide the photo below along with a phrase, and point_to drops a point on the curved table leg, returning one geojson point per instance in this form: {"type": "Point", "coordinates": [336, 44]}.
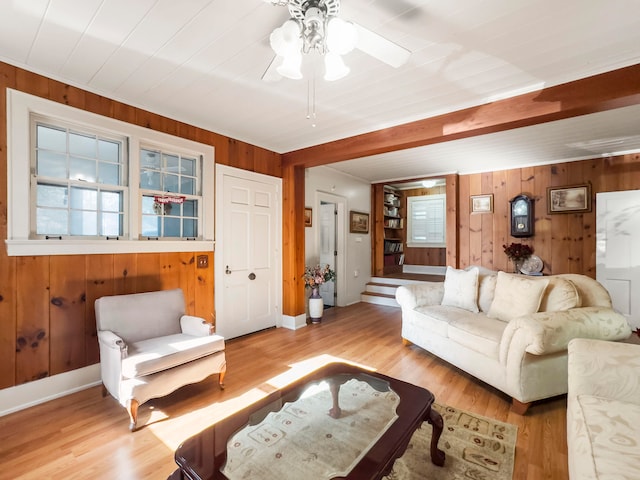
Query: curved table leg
{"type": "Point", "coordinates": [435, 420]}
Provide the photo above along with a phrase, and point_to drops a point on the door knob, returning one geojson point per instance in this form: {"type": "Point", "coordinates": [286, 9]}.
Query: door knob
{"type": "Point", "coordinates": [227, 271]}
{"type": "Point", "coordinates": [252, 276]}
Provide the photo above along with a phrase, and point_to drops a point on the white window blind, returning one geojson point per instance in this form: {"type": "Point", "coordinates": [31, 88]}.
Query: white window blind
{"type": "Point", "coordinates": [426, 221]}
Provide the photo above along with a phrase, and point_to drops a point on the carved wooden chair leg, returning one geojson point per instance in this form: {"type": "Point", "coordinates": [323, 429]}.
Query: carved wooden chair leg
{"type": "Point", "coordinates": [519, 407]}
{"type": "Point", "coordinates": [221, 377]}
{"type": "Point", "coordinates": [133, 414]}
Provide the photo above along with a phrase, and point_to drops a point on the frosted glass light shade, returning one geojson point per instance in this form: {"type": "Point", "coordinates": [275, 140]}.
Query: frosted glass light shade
{"type": "Point", "coordinates": [334, 66]}
{"type": "Point", "coordinates": [286, 39]}
{"type": "Point", "coordinates": [291, 66]}
{"type": "Point", "coordinates": [341, 36]}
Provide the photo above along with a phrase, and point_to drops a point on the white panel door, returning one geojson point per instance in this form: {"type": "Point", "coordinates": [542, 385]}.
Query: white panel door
{"type": "Point", "coordinates": [327, 231]}
{"type": "Point", "coordinates": [249, 277]}
{"type": "Point", "coordinates": [617, 253]}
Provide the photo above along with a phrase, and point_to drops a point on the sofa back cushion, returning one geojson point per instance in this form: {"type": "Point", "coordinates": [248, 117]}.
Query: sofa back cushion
{"type": "Point", "coordinates": [592, 293]}
{"type": "Point", "coordinates": [461, 289]}
{"type": "Point", "coordinates": [515, 296]}
{"type": "Point", "coordinates": [561, 294]}
{"type": "Point", "coordinates": [486, 290]}
{"type": "Point", "coordinates": [141, 316]}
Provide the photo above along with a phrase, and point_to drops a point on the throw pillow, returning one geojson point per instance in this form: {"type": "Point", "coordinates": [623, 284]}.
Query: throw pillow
{"type": "Point", "coordinates": [515, 296]}
{"type": "Point", "coordinates": [561, 294]}
{"type": "Point", "coordinates": [461, 289]}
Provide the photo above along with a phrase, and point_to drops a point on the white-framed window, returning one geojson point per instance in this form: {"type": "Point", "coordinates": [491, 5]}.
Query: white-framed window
{"type": "Point", "coordinates": [426, 221]}
{"type": "Point", "coordinates": [78, 181]}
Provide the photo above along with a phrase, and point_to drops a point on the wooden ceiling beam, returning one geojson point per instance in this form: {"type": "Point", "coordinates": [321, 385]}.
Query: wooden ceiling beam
{"type": "Point", "coordinates": [607, 91]}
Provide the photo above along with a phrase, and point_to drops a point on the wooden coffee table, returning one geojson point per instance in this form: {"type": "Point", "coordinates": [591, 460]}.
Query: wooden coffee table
{"type": "Point", "coordinates": [203, 456]}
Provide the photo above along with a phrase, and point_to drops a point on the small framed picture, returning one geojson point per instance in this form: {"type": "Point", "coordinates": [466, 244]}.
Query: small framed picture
{"type": "Point", "coordinates": [358, 222]}
{"type": "Point", "coordinates": [308, 214]}
{"type": "Point", "coordinates": [571, 199]}
{"type": "Point", "coordinates": [482, 203]}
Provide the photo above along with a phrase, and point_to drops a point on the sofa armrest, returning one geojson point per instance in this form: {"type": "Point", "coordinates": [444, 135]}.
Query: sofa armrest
{"type": "Point", "coordinates": [548, 332]}
{"type": "Point", "coordinates": [195, 326]}
{"type": "Point", "coordinates": [604, 369]}
{"type": "Point", "coordinates": [111, 341]}
{"type": "Point", "coordinates": [417, 294]}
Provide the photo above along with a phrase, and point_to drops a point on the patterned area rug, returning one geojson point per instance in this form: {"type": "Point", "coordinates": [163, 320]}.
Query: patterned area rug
{"type": "Point", "coordinates": [476, 447]}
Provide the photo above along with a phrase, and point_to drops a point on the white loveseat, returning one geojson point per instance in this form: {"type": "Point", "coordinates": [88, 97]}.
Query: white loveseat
{"type": "Point", "coordinates": [149, 347]}
{"type": "Point", "coordinates": [603, 410]}
{"type": "Point", "coordinates": [510, 331]}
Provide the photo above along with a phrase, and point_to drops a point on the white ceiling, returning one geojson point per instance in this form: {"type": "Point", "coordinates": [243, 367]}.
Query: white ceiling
{"type": "Point", "coordinates": [201, 62]}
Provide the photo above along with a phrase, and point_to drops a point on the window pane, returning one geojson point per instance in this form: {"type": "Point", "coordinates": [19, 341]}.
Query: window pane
{"type": "Point", "coordinates": [189, 167]}
{"type": "Point", "coordinates": [111, 201]}
{"type": "Point", "coordinates": [51, 138]}
{"type": "Point", "coordinates": [149, 159]}
{"type": "Point", "coordinates": [190, 208]}
{"type": "Point", "coordinates": [147, 205]}
{"type": "Point", "coordinates": [150, 180]}
{"type": "Point", "coordinates": [111, 224]}
{"type": "Point", "coordinates": [150, 226]}
{"type": "Point", "coordinates": [188, 185]}
{"type": "Point", "coordinates": [82, 145]}
{"type": "Point", "coordinates": [51, 222]}
{"type": "Point", "coordinates": [81, 169]}
{"type": "Point", "coordinates": [171, 227]}
{"type": "Point", "coordinates": [84, 223]}
{"type": "Point", "coordinates": [52, 196]}
{"type": "Point", "coordinates": [172, 209]}
{"type": "Point", "coordinates": [190, 227]}
{"type": "Point", "coordinates": [51, 164]}
{"type": "Point", "coordinates": [170, 183]}
{"type": "Point", "coordinates": [109, 151]}
{"type": "Point", "coordinates": [109, 173]}
{"type": "Point", "coordinates": [84, 199]}
{"type": "Point", "coordinates": [172, 163]}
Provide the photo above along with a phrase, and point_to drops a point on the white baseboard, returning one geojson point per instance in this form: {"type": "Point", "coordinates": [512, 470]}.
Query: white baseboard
{"type": "Point", "coordinates": [424, 269]}
{"type": "Point", "coordinates": [33, 393]}
{"type": "Point", "coordinates": [294, 323]}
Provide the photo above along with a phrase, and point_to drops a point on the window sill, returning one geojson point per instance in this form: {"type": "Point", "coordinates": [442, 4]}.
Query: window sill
{"type": "Point", "coordinates": [22, 248]}
{"type": "Point", "coordinates": [426, 245]}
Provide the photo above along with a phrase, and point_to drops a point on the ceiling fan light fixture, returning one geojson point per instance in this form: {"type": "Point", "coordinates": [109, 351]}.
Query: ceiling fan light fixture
{"type": "Point", "coordinates": [291, 66]}
{"type": "Point", "coordinates": [286, 40]}
{"type": "Point", "coordinates": [335, 69]}
{"type": "Point", "coordinates": [341, 37]}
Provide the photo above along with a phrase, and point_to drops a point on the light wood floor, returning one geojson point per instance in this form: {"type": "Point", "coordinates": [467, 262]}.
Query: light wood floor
{"type": "Point", "coordinates": [85, 436]}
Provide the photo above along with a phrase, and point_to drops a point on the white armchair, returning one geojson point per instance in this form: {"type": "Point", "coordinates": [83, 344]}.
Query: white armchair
{"type": "Point", "coordinates": [149, 347]}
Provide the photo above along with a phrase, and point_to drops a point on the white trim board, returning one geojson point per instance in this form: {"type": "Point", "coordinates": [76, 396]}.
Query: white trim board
{"type": "Point", "coordinates": [424, 269]}
{"type": "Point", "coordinates": [29, 394]}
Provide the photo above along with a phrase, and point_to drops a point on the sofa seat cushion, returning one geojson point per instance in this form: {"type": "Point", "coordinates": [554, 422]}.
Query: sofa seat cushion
{"type": "Point", "coordinates": [478, 332]}
{"type": "Point", "coordinates": [612, 448]}
{"type": "Point", "coordinates": [157, 354]}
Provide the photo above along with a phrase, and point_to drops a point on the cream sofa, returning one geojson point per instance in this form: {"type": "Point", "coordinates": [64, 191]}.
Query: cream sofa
{"type": "Point", "coordinates": [149, 347]}
{"type": "Point", "coordinates": [603, 410]}
{"type": "Point", "coordinates": [510, 331]}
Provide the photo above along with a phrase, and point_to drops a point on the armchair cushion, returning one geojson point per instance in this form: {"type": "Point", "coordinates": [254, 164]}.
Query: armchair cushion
{"type": "Point", "coordinates": [162, 353]}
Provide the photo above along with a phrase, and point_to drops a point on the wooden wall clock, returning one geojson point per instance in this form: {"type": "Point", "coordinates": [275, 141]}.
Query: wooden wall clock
{"type": "Point", "coordinates": [521, 212]}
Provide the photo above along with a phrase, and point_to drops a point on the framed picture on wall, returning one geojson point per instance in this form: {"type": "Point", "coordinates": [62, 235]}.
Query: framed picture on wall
{"type": "Point", "coordinates": [358, 222]}
{"type": "Point", "coordinates": [571, 199]}
{"type": "Point", "coordinates": [482, 203]}
{"type": "Point", "coordinates": [307, 216]}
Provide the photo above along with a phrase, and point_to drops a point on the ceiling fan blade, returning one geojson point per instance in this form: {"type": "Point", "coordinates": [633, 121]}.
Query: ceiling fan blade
{"type": "Point", "coordinates": [379, 47]}
{"type": "Point", "coordinates": [271, 73]}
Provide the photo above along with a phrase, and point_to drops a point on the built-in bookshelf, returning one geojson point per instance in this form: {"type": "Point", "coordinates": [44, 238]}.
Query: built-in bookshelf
{"type": "Point", "coordinates": [393, 230]}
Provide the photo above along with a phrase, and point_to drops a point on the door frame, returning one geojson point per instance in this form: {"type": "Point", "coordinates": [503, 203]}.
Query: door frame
{"type": "Point", "coordinates": [226, 171]}
{"type": "Point", "coordinates": [341, 242]}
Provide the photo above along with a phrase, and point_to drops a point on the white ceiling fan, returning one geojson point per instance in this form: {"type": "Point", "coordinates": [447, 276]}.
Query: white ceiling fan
{"type": "Point", "coordinates": [315, 27]}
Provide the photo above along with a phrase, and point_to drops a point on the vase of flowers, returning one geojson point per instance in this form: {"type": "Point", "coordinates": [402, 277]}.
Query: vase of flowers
{"type": "Point", "coordinates": [517, 253]}
{"type": "Point", "coordinates": [313, 278]}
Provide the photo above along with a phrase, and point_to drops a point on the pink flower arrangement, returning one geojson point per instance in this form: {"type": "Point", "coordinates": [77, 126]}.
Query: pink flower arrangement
{"type": "Point", "coordinates": [316, 276]}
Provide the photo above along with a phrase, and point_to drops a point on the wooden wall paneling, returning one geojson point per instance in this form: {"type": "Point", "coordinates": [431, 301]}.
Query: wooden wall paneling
{"type": "Point", "coordinates": [7, 317]}
{"type": "Point", "coordinates": [148, 273]}
{"type": "Point", "coordinates": [240, 155]}
{"type": "Point", "coordinates": [560, 243]}
{"type": "Point", "coordinates": [267, 162]}
{"type": "Point", "coordinates": [32, 83]}
{"type": "Point", "coordinates": [170, 270]}
{"type": "Point", "coordinates": [453, 217]}
{"type": "Point", "coordinates": [576, 222]}
{"type": "Point", "coordinates": [125, 273]}
{"type": "Point", "coordinates": [67, 94]}
{"type": "Point", "coordinates": [67, 304]}
{"type": "Point", "coordinates": [541, 240]}
{"type": "Point", "coordinates": [514, 187]}
{"type": "Point", "coordinates": [100, 275]}
{"type": "Point", "coordinates": [293, 241]}
{"type": "Point", "coordinates": [32, 318]}
{"type": "Point", "coordinates": [464, 237]}
{"type": "Point", "coordinates": [204, 289]}
{"type": "Point", "coordinates": [184, 264]}
{"type": "Point", "coordinates": [475, 222]}
{"type": "Point", "coordinates": [500, 220]}
{"type": "Point", "coordinates": [487, 224]}
{"type": "Point", "coordinates": [377, 255]}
